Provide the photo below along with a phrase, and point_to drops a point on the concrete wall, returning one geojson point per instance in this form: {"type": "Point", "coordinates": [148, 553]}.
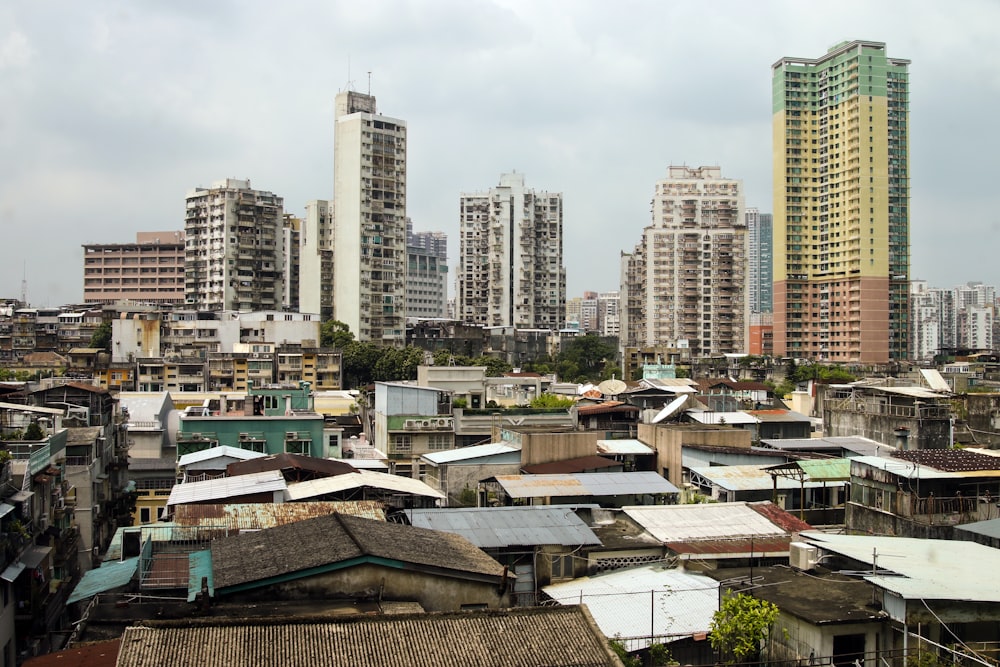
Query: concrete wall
{"type": "Point", "coordinates": [924, 433]}
{"type": "Point", "coordinates": [793, 639]}
{"type": "Point", "coordinates": [982, 417]}
{"type": "Point", "coordinates": [368, 580]}
{"type": "Point", "coordinates": [453, 479]}
{"type": "Point", "coordinates": [668, 439]}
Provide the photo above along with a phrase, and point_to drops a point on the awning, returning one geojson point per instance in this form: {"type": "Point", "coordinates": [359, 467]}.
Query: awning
{"type": "Point", "coordinates": [22, 496]}
{"type": "Point", "coordinates": [10, 574]}
{"type": "Point", "coordinates": [5, 509]}
{"type": "Point", "coordinates": [34, 555]}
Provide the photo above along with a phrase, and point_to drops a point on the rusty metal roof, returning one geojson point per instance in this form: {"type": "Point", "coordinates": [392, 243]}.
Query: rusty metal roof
{"type": "Point", "coordinates": [950, 460]}
{"type": "Point", "coordinates": [584, 484]}
{"type": "Point", "coordinates": [771, 547]}
{"type": "Point", "coordinates": [258, 516]}
{"type": "Point", "coordinates": [713, 521]}
{"type": "Point", "coordinates": [579, 464]}
{"type": "Point", "coordinates": [296, 462]}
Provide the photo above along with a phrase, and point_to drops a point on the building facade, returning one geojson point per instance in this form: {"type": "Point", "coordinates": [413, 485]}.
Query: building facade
{"type": "Point", "coordinates": [686, 278]}
{"type": "Point", "coordinates": [316, 259]}
{"type": "Point", "coordinates": [760, 261]}
{"type": "Point", "coordinates": [841, 205]}
{"type": "Point", "coordinates": [511, 270]}
{"type": "Point", "coordinates": [426, 274]}
{"type": "Point", "coordinates": [234, 258]}
{"type": "Point", "coordinates": [369, 270]}
{"type": "Point", "coordinates": [151, 270]}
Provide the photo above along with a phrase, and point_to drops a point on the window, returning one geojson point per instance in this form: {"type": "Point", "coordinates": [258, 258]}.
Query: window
{"type": "Point", "coordinates": [144, 515]}
{"type": "Point", "coordinates": [439, 441]}
{"type": "Point", "coordinates": [400, 444]}
{"type": "Point", "coordinates": [562, 566]}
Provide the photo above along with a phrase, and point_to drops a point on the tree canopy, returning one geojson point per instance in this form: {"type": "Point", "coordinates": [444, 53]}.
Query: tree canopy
{"type": "Point", "coordinates": [740, 625]}
{"type": "Point", "coordinates": [101, 338]}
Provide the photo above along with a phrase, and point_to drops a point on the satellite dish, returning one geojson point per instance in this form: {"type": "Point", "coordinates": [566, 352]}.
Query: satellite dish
{"type": "Point", "coordinates": [670, 409]}
{"type": "Point", "coordinates": [612, 387]}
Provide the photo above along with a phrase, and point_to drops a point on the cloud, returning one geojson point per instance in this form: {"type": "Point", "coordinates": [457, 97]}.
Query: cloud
{"type": "Point", "coordinates": [15, 50]}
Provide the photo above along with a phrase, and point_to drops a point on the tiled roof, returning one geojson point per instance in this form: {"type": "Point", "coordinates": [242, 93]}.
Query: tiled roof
{"type": "Point", "coordinates": [286, 461]}
{"type": "Point", "coordinates": [98, 654]}
{"type": "Point", "coordinates": [555, 636]}
{"type": "Point", "coordinates": [329, 540]}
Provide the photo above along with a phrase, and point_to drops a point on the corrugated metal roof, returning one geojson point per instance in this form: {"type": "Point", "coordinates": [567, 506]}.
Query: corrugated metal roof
{"type": "Point", "coordinates": [466, 453]}
{"type": "Point", "coordinates": [916, 470]}
{"type": "Point", "coordinates": [268, 481]}
{"type": "Point", "coordinates": [934, 379]}
{"type": "Point", "coordinates": [218, 452]}
{"type": "Point", "coordinates": [988, 528]}
{"type": "Point", "coordinates": [708, 417]}
{"type": "Point", "coordinates": [109, 576]}
{"type": "Point", "coordinates": [622, 447]}
{"type": "Point", "coordinates": [258, 516]}
{"type": "Point", "coordinates": [752, 478]}
{"type": "Point", "coordinates": [712, 521]}
{"type": "Point", "coordinates": [200, 567]}
{"type": "Point", "coordinates": [856, 444]}
{"type": "Point", "coordinates": [584, 484]}
{"type": "Point", "coordinates": [825, 469]}
{"type": "Point", "coordinates": [914, 392]}
{"type": "Point", "coordinates": [621, 602]}
{"type": "Point", "coordinates": [365, 464]}
{"type": "Point", "coordinates": [498, 527]}
{"type": "Point", "coordinates": [579, 464]}
{"type": "Point", "coordinates": [924, 569]}
{"type": "Point", "coordinates": [378, 480]}
{"type": "Point", "coordinates": [769, 547]}
{"type": "Point", "coordinates": [555, 636]}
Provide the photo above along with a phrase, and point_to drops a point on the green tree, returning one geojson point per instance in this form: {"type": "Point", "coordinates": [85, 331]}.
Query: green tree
{"type": "Point", "coordinates": [34, 432]}
{"type": "Point", "coordinates": [589, 354]}
{"type": "Point", "coordinates": [335, 334]}
{"type": "Point", "coordinates": [495, 367]}
{"type": "Point", "coordinates": [740, 625]}
{"type": "Point", "coordinates": [101, 338]}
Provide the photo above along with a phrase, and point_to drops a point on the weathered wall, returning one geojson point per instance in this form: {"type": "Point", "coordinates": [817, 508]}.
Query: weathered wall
{"type": "Point", "coordinates": [924, 433]}
{"type": "Point", "coordinates": [793, 639]}
{"type": "Point", "coordinates": [433, 592]}
{"type": "Point", "coordinates": [982, 420]}
{"type": "Point", "coordinates": [668, 439]}
{"type": "Point", "coordinates": [548, 447]}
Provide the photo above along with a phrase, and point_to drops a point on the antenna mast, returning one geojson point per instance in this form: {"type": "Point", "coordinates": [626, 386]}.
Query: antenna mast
{"type": "Point", "coordinates": [24, 283]}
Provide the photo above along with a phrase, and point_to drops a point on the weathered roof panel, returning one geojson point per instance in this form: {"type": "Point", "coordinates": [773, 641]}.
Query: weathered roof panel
{"type": "Point", "coordinates": [499, 527]}
{"type": "Point", "coordinates": [269, 481]}
{"type": "Point", "coordinates": [109, 576]}
{"type": "Point", "coordinates": [682, 523]}
{"type": "Point", "coordinates": [585, 484]}
{"type": "Point", "coordinates": [258, 516]}
{"type": "Point", "coordinates": [467, 453]}
{"type": "Point", "coordinates": [624, 446]}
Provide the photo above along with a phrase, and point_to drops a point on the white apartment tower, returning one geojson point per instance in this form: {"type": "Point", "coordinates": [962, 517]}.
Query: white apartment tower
{"type": "Point", "coordinates": [369, 244]}
{"type": "Point", "coordinates": [511, 269]}
{"type": "Point", "coordinates": [233, 248]}
{"type": "Point", "coordinates": [684, 285]}
{"type": "Point", "coordinates": [316, 259]}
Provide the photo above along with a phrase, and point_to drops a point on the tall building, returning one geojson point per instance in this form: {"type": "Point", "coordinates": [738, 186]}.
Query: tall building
{"type": "Point", "coordinates": [426, 273]}
{"type": "Point", "coordinates": [291, 240]}
{"type": "Point", "coordinates": [946, 319]}
{"type": "Point", "coordinates": [316, 259]}
{"type": "Point", "coordinates": [233, 248]}
{"type": "Point", "coordinates": [511, 269]}
{"type": "Point", "coordinates": [841, 205]}
{"type": "Point", "coordinates": [608, 307]}
{"type": "Point", "coordinates": [151, 270]}
{"type": "Point", "coordinates": [369, 196]}
{"type": "Point", "coordinates": [760, 261]}
{"type": "Point", "coordinates": [685, 280]}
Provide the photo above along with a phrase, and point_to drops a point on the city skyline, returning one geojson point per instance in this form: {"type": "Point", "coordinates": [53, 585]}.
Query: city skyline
{"type": "Point", "coordinates": [117, 113]}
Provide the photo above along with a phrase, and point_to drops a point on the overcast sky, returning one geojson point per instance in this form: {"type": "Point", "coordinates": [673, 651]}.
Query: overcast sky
{"type": "Point", "coordinates": [110, 112]}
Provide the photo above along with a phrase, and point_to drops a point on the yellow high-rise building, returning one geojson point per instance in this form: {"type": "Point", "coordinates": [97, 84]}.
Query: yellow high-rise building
{"type": "Point", "coordinates": [841, 205]}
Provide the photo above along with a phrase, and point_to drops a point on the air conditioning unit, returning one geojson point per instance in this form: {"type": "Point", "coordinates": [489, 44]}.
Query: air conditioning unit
{"type": "Point", "coordinates": [291, 435]}
{"type": "Point", "coordinates": [410, 423]}
{"type": "Point", "coordinates": [196, 436]}
{"type": "Point", "coordinates": [802, 555]}
{"type": "Point", "coordinates": [244, 436]}
{"type": "Point", "coordinates": [426, 423]}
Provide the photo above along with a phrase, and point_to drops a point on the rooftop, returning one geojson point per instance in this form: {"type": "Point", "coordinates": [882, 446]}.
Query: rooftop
{"type": "Point", "coordinates": [499, 527]}
{"type": "Point", "coordinates": [584, 484]}
{"type": "Point", "coordinates": [554, 636]}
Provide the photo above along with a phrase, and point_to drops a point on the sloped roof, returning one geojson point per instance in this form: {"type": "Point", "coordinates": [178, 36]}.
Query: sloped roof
{"type": "Point", "coordinates": [468, 453]}
{"type": "Point", "coordinates": [624, 446]}
{"type": "Point", "coordinates": [258, 516]}
{"type": "Point", "coordinates": [370, 478]}
{"type": "Point", "coordinates": [227, 487]}
{"type": "Point", "coordinates": [950, 460]}
{"type": "Point", "coordinates": [607, 407]}
{"type": "Point", "coordinates": [498, 527]}
{"type": "Point", "coordinates": [853, 443]}
{"type": "Point", "coordinates": [286, 461]}
{"type": "Point", "coordinates": [330, 540]}
{"type": "Point", "coordinates": [584, 484]}
{"type": "Point", "coordinates": [712, 417]}
{"type": "Point", "coordinates": [111, 575]}
{"type": "Point", "coordinates": [681, 523]}
{"type": "Point", "coordinates": [554, 636]}
{"type": "Point", "coordinates": [218, 452]}
{"type": "Point", "coordinates": [752, 478]}
{"type": "Point", "coordinates": [779, 416]}
{"type": "Point", "coordinates": [96, 654]}
{"type": "Point", "coordinates": [682, 603]}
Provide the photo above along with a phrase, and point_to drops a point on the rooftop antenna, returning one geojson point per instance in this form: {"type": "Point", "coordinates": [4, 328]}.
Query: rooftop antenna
{"type": "Point", "coordinates": [24, 282]}
{"type": "Point", "coordinates": [369, 83]}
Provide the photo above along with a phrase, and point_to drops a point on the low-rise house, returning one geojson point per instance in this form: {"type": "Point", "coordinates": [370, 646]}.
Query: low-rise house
{"type": "Point", "coordinates": [341, 556]}
{"type": "Point", "coordinates": [614, 419]}
{"type": "Point", "coordinates": [538, 544]}
{"type": "Point", "coordinates": [409, 421]}
{"type": "Point", "coordinates": [559, 637]}
{"type": "Point", "coordinates": [646, 605]}
{"type": "Point", "coordinates": [777, 424]}
{"type": "Point", "coordinates": [457, 472]}
{"type": "Point", "coordinates": [211, 463]}
{"type": "Point", "coordinates": [152, 453]}
{"type": "Point", "coordinates": [923, 493]}
{"type": "Point", "coordinates": [751, 483]}
{"type": "Point", "coordinates": [631, 453]}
